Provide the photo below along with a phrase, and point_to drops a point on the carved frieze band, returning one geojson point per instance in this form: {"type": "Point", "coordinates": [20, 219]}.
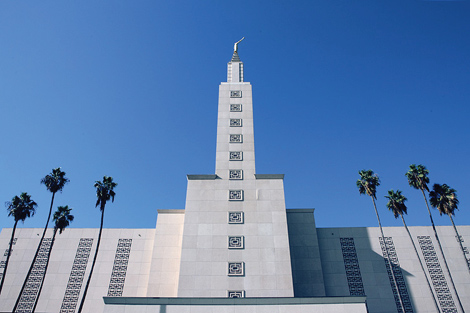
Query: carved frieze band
{"type": "Point", "coordinates": [405, 297]}
{"type": "Point", "coordinates": [236, 293]}
{"type": "Point", "coordinates": [235, 195]}
{"type": "Point", "coordinates": [235, 174]}
{"type": "Point", "coordinates": [235, 122]}
{"type": "Point", "coordinates": [236, 242]}
{"type": "Point", "coordinates": [76, 276]}
{"type": "Point", "coordinates": [235, 218]}
{"type": "Point", "coordinates": [235, 94]}
{"type": "Point", "coordinates": [235, 108]}
{"type": "Point", "coordinates": [236, 269]}
{"type": "Point", "coordinates": [236, 156]}
{"type": "Point", "coordinates": [121, 261]}
{"type": "Point", "coordinates": [236, 138]}
{"type": "Point", "coordinates": [438, 279]}
{"type": "Point", "coordinates": [30, 292]}
{"type": "Point", "coordinates": [351, 265]}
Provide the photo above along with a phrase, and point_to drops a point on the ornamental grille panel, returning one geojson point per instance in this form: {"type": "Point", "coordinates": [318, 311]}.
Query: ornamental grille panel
{"type": "Point", "coordinates": [236, 242]}
{"type": "Point", "coordinates": [33, 283]}
{"type": "Point", "coordinates": [76, 276]}
{"type": "Point", "coordinates": [236, 269]}
{"type": "Point", "coordinates": [351, 265]}
{"type": "Point", "coordinates": [121, 260]}
{"type": "Point", "coordinates": [236, 218]}
{"type": "Point", "coordinates": [405, 297]}
{"type": "Point", "coordinates": [236, 293]}
{"type": "Point", "coordinates": [235, 108]}
{"type": "Point", "coordinates": [235, 195]}
{"type": "Point", "coordinates": [437, 275]}
{"type": "Point", "coordinates": [2, 263]}
{"type": "Point", "coordinates": [235, 94]}
{"type": "Point", "coordinates": [460, 240]}
{"type": "Point", "coordinates": [7, 249]}
{"type": "Point", "coordinates": [237, 138]}
{"type": "Point", "coordinates": [235, 122]}
{"type": "Point", "coordinates": [235, 174]}
{"type": "Point", "coordinates": [235, 155]}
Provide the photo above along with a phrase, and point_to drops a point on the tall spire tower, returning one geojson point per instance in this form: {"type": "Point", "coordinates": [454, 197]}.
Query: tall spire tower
{"type": "Point", "coordinates": [235, 241]}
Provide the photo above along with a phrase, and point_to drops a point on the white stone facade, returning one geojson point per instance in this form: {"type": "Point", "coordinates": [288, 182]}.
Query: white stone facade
{"type": "Point", "coordinates": [235, 239]}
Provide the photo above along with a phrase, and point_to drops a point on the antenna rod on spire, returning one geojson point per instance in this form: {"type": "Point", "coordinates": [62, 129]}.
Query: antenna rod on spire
{"type": "Point", "coordinates": [235, 46]}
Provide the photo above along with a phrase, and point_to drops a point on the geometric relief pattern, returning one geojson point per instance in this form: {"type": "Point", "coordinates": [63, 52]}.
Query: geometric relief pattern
{"type": "Point", "coordinates": [121, 260]}
{"type": "Point", "coordinates": [2, 263]}
{"type": "Point", "coordinates": [235, 122]}
{"type": "Point", "coordinates": [437, 276]}
{"type": "Point", "coordinates": [465, 249]}
{"type": "Point", "coordinates": [236, 269]}
{"type": "Point", "coordinates": [351, 265]}
{"type": "Point", "coordinates": [235, 94]}
{"type": "Point", "coordinates": [236, 242]}
{"type": "Point", "coordinates": [236, 155]}
{"type": "Point", "coordinates": [235, 108]}
{"type": "Point", "coordinates": [76, 276]}
{"type": "Point", "coordinates": [30, 291]}
{"type": "Point", "coordinates": [235, 195]}
{"type": "Point", "coordinates": [400, 280]}
{"type": "Point", "coordinates": [235, 218]}
{"type": "Point", "coordinates": [236, 138]}
{"type": "Point", "coordinates": [236, 294]}
{"type": "Point", "coordinates": [235, 174]}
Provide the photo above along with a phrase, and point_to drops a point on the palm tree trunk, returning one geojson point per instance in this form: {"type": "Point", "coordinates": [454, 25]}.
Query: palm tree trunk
{"type": "Point", "coordinates": [460, 241]}
{"type": "Point", "coordinates": [8, 256]}
{"type": "Point", "coordinates": [422, 266]}
{"type": "Point", "coordinates": [92, 265]}
{"type": "Point", "coordinates": [35, 255]}
{"type": "Point", "coordinates": [388, 257]}
{"type": "Point", "coordinates": [442, 253]}
{"type": "Point", "coordinates": [45, 271]}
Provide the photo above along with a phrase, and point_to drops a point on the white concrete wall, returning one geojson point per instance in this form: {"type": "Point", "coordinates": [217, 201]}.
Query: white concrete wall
{"type": "Point", "coordinates": [62, 259]}
{"type": "Point", "coordinates": [373, 271]}
{"type": "Point", "coordinates": [166, 257]}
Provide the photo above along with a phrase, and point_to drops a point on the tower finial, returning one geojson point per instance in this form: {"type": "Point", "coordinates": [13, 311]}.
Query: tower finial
{"type": "Point", "coordinates": [235, 46]}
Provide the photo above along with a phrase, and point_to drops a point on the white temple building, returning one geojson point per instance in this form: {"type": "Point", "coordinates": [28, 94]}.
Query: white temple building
{"type": "Point", "coordinates": [235, 248]}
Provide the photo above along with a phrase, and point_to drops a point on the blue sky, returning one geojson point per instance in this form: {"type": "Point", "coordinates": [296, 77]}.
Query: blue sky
{"type": "Point", "coordinates": [129, 89]}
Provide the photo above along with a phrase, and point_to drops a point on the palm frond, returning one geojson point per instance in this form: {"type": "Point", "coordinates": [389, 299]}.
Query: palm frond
{"type": "Point", "coordinates": [55, 181]}
{"type": "Point", "coordinates": [368, 183]}
{"type": "Point", "coordinates": [418, 177]}
{"type": "Point", "coordinates": [396, 203]}
{"type": "Point", "coordinates": [21, 207]}
{"type": "Point", "coordinates": [444, 199]}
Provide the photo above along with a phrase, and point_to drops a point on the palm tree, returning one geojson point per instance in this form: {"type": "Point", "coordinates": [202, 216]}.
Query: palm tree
{"type": "Point", "coordinates": [396, 204]}
{"type": "Point", "coordinates": [104, 193]}
{"type": "Point", "coordinates": [418, 179]}
{"type": "Point", "coordinates": [54, 182]}
{"type": "Point", "coordinates": [20, 208]}
{"type": "Point", "coordinates": [444, 198]}
{"type": "Point", "coordinates": [62, 219]}
{"type": "Point", "coordinates": [368, 184]}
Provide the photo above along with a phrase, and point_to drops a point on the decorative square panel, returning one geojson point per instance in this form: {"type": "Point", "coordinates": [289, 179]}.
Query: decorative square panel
{"type": "Point", "coordinates": [236, 242]}
{"type": "Point", "coordinates": [236, 218]}
{"type": "Point", "coordinates": [238, 138]}
{"type": "Point", "coordinates": [235, 122]}
{"type": "Point", "coordinates": [236, 294]}
{"type": "Point", "coordinates": [235, 94]}
{"type": "Point", "coordinates": [235, 195]}
{"type": "Point", "coordinates": [235, 174]}
{"type": "Point", "coordinates": [236, 156]}
{"type": "Point", "coordinates": [236, 269]}
{"type": "Point", "coordinates": [235, 108]}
